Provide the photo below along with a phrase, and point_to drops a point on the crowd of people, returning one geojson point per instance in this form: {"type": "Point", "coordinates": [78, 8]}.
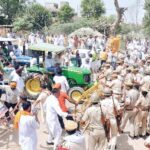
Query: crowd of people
{"type": "Point", "coordinates": [123, 95]}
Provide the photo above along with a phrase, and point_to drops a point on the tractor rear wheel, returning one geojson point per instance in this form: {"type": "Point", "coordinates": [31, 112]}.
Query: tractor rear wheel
{"type": "Point", "coordinates": [32, 87]}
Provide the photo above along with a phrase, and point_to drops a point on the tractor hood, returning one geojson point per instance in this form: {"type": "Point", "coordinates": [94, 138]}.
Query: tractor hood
{"type": "Point", "coordinates": [37, 69]}
{"type": "Point", "coordinates": [77, 70]}
{"type": "Point", "coordinates": [69, 69]}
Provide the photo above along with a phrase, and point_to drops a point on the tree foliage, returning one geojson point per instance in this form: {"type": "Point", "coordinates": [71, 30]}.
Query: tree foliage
{"type": "Point", "coordinates": [40, 15]}
{"type": "Point", "coordinates": [9, 9]}
{"type": "Point", "coordinates": [65, 13]}
{"type": "Point", "coordinates": [92, 8]}
{"type": "Point", "coordinates": [146, 20]}
{"type": "Point", "coordinates": [24, 23]}
{"type": "Point", "coordinates": [36, 17]}
{"type": "Point", "coordinates": [102, 24]}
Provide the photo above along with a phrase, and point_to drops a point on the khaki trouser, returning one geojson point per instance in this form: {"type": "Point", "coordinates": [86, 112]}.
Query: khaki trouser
{"type": "Point", "coordinates": [141, 123]}
{"type": "Point", "coordinates": [148, 123]}
{"type": "Point", "coordinates": [129, 115]}
{"type": "Point", "coordinates": [95, 139]}
{"type": "Point", "coordinates": [114, 133]}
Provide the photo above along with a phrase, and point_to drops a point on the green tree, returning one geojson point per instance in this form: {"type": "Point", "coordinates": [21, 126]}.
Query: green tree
{"type": "Point", "coordinates": [146, 20]}
{"type": "Point", "coordinates": [92, 8]}
{"type": "Point", "coordinates": [9, 8]}
{"type": "Point", "coordinates": [65, 13]}
{"type": "Point", "coordinates": [40, 15]}
{"type": "Point", "coordinates": [36, 17]}
{"type": "Point", "coordinates": [24, 23]}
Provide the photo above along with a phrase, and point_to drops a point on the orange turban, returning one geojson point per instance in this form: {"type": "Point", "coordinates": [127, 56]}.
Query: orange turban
{"type": "Point", "coordinates": [13, 84]}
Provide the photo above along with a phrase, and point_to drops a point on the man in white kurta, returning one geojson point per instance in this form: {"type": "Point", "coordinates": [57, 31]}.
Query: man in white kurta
{"type": "Point", "coordinates": [59, 78]}
{"type": "Point", "coordinates": [52, 111]}
{"type": "Point", "coordinates": [28, 125]}
{"type": "Point", "coordinates": [14, 76]}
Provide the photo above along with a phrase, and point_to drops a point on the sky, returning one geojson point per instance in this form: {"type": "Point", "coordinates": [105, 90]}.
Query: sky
{"type": "Point", "coordinates": [131, 15]}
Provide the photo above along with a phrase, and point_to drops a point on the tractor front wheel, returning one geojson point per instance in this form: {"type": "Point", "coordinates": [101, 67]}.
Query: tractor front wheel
{"type": "Point", "coordinates": [75, 93]}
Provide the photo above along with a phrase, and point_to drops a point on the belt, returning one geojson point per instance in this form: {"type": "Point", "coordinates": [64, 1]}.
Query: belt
{"type": "Point", "coordinates": [129, 109]}
{"type": "Point", "coordinates": [94, 128]}
{"type": "Point", "coordinates": [145, 109]}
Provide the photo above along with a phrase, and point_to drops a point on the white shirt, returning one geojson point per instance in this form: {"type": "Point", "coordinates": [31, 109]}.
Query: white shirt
{"type": "Point", "coordinates": [12, 55]}
{"type": "Point", "coordinates": [87, 66]}
{"type": "Point", "coordinates": [53, 108]}
{"type": "Point", "coordinates": [75, 141]}
{"type": "Point", "coordinates": [43, 96]}
{"type": "Point", "coordinates": [19, 80]}
{"type": "Point", "coordinates": [17, 52]}
{"type": "Point", "coordinates": [12, 96]}
{"type": "Point", "coordinates": [7, 72]}
{"type": "Point", "coordinates": [27, 132]}
{"type": "Point", "coordinates": [63, 81]}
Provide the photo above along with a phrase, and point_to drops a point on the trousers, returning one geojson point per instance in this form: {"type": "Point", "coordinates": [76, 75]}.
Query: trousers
{"type": "Point", "coordinates": [129, 115]}
{"type": "Point", "coordinates": [95, 139]}
{"type": "Point", "coordinates": [141, 123]}
{"type": "Point", "coordinates": [114, 133]}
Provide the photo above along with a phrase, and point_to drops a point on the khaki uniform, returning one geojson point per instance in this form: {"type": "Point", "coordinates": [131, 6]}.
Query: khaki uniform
{"type": "Point", "coordinates": [107, 103]}
{"type": "Point", "coordinates": [143, 103]}
{"type": "Point", "coordinates": [119, 68]}
{"type": "Point", "coordinates": [146, 81]}
{"type": "Point", "coordinates": [148, 124]}
{"type": "Point", "coordinates": [95, 138]}
{"type": "Point", "coordinates": [138, 78]}
{"type": "Point", "coordinates": [129, 77]}
{"type": "Point", "coordinates": [131, 99]}
{"type": "Point", "coordinates": [116, 85]}
{"type": "Point", "coordinates": [108, 72]}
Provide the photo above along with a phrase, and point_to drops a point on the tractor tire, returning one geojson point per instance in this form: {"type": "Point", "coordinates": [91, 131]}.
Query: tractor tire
{"type": "Point", "coordinates": [32, 87]}
{"type": "Point", "coordinates": [74, 93]}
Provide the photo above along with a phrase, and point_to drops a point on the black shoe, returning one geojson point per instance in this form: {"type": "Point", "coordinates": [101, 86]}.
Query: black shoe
{"type": "Point", "coordinates": [51, 143]}
{"type": "Point", "coordinates": [132, 137]}
{"type": "Point", "coordinates": [147, 134]}
{"type": "Point", "coordinates": [136, 137]}
{"type": "Point", "coordinates": [144, 137]}
{"type": "Point", "coordinates": [121, 132]}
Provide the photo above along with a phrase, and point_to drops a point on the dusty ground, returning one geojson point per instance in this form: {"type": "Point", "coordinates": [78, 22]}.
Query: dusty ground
{"type": "Point", "coordinates": [9, 141]}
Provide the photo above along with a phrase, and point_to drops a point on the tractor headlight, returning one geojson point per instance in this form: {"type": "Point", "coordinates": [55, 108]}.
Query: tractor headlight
{"type": "Point", "coordinates": [87, 78]}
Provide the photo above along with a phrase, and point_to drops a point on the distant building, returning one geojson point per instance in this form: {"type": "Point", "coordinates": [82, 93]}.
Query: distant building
{"type": "Point", "coordinates": [4, 29]}
{"type": "Point", "coordinates": [53, 8]}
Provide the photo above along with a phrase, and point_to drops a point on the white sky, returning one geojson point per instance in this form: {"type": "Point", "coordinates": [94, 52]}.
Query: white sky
{"type": "Point", "coordinates": [130, 15]}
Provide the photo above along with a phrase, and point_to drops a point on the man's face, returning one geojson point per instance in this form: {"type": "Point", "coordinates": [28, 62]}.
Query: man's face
{"type": "Point", "coordinates": [13, 88]}
{"type": "Point", "coordinates": [22, 100]}
{"type": "Point", "coordinates": [57, 94]}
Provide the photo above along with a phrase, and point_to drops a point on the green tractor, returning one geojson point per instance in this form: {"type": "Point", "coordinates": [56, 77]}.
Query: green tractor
{"type": "Point", "coordinates": [78, 78]}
